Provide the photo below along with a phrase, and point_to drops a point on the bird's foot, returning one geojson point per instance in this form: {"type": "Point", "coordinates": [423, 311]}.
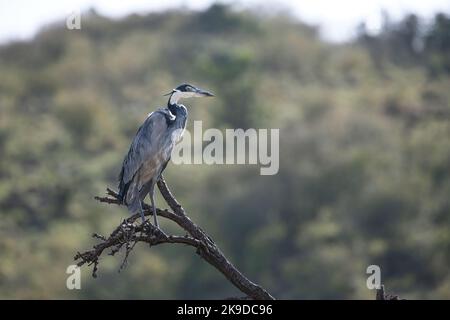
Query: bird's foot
{"type": "Point", "coordinates": [156, 230]}
{"type": "Point", "coordinates": [146, 224]}
{"type": "Point", "coordinates": [160, 233]}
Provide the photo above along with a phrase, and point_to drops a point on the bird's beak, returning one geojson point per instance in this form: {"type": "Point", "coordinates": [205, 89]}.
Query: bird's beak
{"type": "Point", "coordinates": [204, 93]}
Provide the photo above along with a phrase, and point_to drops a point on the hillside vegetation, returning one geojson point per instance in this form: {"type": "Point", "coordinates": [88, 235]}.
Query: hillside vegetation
{"type": "Point", "coordinates": [364, 154]}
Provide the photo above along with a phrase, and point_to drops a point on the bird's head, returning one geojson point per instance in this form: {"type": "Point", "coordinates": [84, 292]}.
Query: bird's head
{"type": "Point", "coordinates": [187, 91]}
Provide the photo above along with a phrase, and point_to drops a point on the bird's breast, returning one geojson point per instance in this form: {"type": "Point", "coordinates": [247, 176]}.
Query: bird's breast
{"type": "Point", "coordinates": [152, 165]}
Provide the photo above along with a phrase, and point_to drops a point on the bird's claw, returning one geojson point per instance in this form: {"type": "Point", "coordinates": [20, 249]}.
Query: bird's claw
{"type": "Point", "coordinates": [147, 225]}
{"type": "Point", "coordinates": [162, 233]}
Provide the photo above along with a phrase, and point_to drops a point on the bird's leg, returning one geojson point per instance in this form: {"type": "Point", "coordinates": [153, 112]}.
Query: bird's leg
{"type": "Point", "coordinates": [141, 212]}
{"type": "Point", "coordinates": [155, 217]}
{"type": "Point", "coordinates": [152, 199]}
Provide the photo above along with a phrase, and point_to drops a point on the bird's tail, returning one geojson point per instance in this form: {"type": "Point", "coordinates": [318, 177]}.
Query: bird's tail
{"type": "Point", "coordinates": [127, 194]}
{"type": "Point", "coordinates": [133, 203]}
{"type": "Point", "coordinates": [131, 198]}
{"type": "Point", "coordinates": [123, 188]}
{"type": "Point", "coordinates": [134, 206]}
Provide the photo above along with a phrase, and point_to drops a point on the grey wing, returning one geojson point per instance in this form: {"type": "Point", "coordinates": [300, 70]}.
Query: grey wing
{"type": "Point", "coordinates": [146, 145]}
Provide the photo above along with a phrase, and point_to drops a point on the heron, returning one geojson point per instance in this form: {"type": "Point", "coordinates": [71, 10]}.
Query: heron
{"type": "Point", "coordinates": [151, 149]}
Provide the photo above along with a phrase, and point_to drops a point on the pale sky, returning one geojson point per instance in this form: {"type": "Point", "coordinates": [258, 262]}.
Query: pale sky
{"type": "Point", "coordinates": [21, 19]}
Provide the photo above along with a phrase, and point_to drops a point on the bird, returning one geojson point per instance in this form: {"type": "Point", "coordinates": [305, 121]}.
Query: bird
{"type": "Point", "coordinates": [151, 149]}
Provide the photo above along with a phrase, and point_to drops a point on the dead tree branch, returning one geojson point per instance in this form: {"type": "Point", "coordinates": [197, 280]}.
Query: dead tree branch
{"type": "Point", "coordinates": [128, 233]}
{"type": "Point", "coordinates": [382, 295]}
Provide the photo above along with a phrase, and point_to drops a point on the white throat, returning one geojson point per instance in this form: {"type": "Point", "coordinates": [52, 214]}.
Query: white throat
{"type": "Point", "coordinates": [177, 95]}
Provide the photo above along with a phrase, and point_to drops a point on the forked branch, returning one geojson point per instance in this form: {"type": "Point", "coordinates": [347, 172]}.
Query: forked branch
{"type": "Point", "coordinates": [128, 233]}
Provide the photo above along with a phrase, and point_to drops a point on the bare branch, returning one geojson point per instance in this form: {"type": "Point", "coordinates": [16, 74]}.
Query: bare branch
{"type": "Point", "coordinates": [127, 234]}
{"type": "Point", "coordinates": [381, 295]}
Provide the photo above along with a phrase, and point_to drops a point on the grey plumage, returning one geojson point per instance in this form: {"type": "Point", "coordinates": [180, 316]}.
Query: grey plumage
{"type": "Point", "coordinates": [151, 149]}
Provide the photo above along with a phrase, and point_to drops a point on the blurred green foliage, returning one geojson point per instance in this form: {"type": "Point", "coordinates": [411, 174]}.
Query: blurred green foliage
{"type": "Point", "coordinates": [365, 154]}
